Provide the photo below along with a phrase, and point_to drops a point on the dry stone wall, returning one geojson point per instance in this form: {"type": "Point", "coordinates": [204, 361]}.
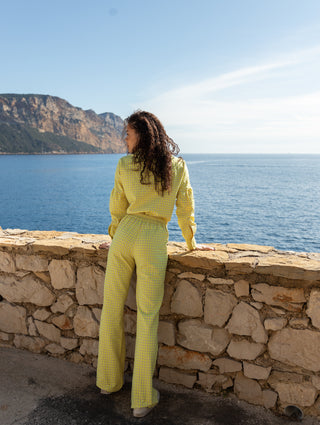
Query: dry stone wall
{"type": "Point", "coordinates": [243, 319]}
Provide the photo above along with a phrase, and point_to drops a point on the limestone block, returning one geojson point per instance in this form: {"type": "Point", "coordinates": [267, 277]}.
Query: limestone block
{"type": "Point", "coordinates": [29, 343]}
{"type": "Point", "coordinates": [211, 379]}
{"type": "Point", "coordinates": [245, 350]}
{"type": "Point", "coordinates": [41, 314]}
{"type": "Point", "coordinates": [208, 260]}
{"type": "Point", "coordinates": [316, 381]}
{"type": "Point", "coordinates": [97, 313]}
{"type": "Point", "coordinates": [183, 359]}
{"type": "Point", "coordinates": [63, 322]}
{"type": "Point", "coordinates": [172, 376]}
{"type": "Point", "coordinates": [227, 365]}
{"type": "Point", "coordinates": [90, 284]}
{"type": "Point", "coordinates": [190, 275]}
{"type": "Point", "coordinates": [69, 343]}
{"type": "Point", "coordinates": [130, 346]}
{"type": "Point", "coordinates": [269, 398]}
{"type": "Point", "coordinates": [166, 303]}
{"type": "Point", "coordinates": [187, 300]}
{"type": "Point", "coordinates": [256, 305]}
{"type": "Point", "coordinates": [84, 323]}
{"type": "Point", "coordinates": [243, 265]}
{"type": "Point", "coordinates": [33, 263]}
{"type": "Point", "coordinates": [44, 276]}
{"type": "Point", "coordinates": [89, 346]}
{"type": "Point", "coordinates": [166, 333]}
{"type": "Point", "coordinates": [241, 288]}
{"type": "Point", "coordinates": [32, 330]}
{"type": "Point", "coordinates": [4, 336]}
{"type": "Point", "coordinates": [296, 347]}
{"type": "Point", "coordinates": [275, 324]}
{"type": "Point", "coordinates": [48, 331]}
{"type": "Point", "coordinates": [26, 290]}
{"type": "Point", "coordinates": [278, 311]}
{"type": "Point", "coordinates": [313, 310]}
{"type": "Point", "coordinates": [62, 304]}
{"type": "Point", "coordinates": [55, 349]}
{"type": "Point", "coordinates": [13, 318]}
{"type": "Point", "coordinates": [247, 389]}
{"type": "Point", "coordinates": [288, 298]}
{"type": "Point", "coordinates": [301, 394]}
{"type": "Point", "coordinates": [6, 263]}
{"type": "Point", "coordinates": [256, 372]}
{"type": "Point", "coordinates": [220, 281]}
{"type": "Point", "coordinates": [299, 323]}
{"type": "Point", "coordinates": [251, 247]}
{"type": "Point", "coordinates": [131, 297]}
{"type": "Point", "coordinates": [76, 358]}
{"type": "Point", "coordinates": [62, 274]}
{"type": "Point", "coordinates": [245, 320]}
{"type": "Point", "coordinates": [290, 267]}
{"type": "Point", "coordinates": [218, 307]}
{"type": "Point", "coordinates": [199, 337]}
{"type": "Point", "coordinates": [130, 323]}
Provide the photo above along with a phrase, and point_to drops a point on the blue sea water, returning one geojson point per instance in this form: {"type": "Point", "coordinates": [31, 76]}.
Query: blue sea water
{"type": "Point", "coordinates": [259, 199]}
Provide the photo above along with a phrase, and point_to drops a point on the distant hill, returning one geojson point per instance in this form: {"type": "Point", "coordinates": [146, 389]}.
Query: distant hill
{"type": "Point", "coordinates": [31, 123]}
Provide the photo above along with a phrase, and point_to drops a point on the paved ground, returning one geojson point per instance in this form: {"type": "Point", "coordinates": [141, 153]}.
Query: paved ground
{"type": "Point", "coordinates": [39, 390]}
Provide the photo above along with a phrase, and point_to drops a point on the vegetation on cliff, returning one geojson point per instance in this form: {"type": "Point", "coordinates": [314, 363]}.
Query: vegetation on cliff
{"type": "Point", "coordinates": [19, 139]}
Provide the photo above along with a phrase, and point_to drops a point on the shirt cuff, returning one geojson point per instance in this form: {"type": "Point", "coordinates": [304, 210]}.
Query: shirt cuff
{"type": "Point", "coordinates": [192, 244]}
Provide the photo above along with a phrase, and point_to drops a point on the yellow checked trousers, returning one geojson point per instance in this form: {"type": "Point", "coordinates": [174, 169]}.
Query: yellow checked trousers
{"type": "Point", "coordinates": [139, 242]}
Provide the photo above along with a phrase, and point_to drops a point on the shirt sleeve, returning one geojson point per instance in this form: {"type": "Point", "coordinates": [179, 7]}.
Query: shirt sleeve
{"type": "Point", "coordinates": [118, 203]}
{"type": "Point", "coordinates": [185, 210]}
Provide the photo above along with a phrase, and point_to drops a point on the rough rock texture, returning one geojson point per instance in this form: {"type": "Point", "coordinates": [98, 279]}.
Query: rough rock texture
{"type": "Point", "coordinates": [245, 350]}
{"type": "Point", "coordinates": [313, 310]}
{"type": "Point", "coordinates": [245, 320]}
{"type": "Point", "coordinates": [287, 298]}
{"type": "Point", "coordinates": [296, 347]}
{"type": "Point", "coordinates": [187, 300]}
{"type": "Point", "coordinates": [85, 324]}
{"type": "Point", "coordinates": [90, 283]}
{"type": "Point", "coordinates": [62, 274]}
{"type": "Point", "coordinates": [183, 359]}
{"type": "Point", "coordinates": [28, 289]}
{"type": "Point", "coordinates": [220, 327]}
{"type": "Point", "coordinates": [13, 318]}
{"type": "Point", "coordinates": [218, 307]}
{"type": "Point", "coordinates": [196, 336]}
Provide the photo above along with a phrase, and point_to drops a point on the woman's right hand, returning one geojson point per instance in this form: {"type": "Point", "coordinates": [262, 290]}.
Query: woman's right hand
{"type": "Point", "coordinates": [105, 245]}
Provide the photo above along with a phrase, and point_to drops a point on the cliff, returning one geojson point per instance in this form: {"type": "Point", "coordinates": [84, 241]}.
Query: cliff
{"type": "Point", "coordinates": [41, 123]}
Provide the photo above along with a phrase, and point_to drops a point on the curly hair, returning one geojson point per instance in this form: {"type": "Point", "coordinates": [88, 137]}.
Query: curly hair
{"type": "Point", "coordinates": [153, 151]}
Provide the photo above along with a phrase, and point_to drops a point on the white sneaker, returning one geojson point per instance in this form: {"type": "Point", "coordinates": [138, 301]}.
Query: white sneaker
{"type": "Point", "coordinates": [140, 412]}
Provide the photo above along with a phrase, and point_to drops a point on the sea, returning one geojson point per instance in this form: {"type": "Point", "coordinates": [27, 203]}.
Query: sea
{"type": "Point", "coordinates": [260, 199]}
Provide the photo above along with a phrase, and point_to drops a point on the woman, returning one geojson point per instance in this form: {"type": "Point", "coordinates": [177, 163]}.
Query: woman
{"type": "Point", "coordinates": [148, 183]}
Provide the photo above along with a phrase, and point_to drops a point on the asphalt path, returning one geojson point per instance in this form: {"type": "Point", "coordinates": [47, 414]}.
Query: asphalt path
{"type": "Point", "coordinates": [41, 390]}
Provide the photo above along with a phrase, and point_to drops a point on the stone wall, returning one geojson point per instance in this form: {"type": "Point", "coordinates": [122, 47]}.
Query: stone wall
{"type": "Point", "coordinates": [243, 319]}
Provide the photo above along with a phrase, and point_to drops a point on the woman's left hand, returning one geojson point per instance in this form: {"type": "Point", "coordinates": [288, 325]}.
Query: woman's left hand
{"type": "Point", "coordinates": [204, 248]}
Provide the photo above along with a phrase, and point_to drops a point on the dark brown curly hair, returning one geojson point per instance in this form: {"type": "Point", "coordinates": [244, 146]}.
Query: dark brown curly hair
{"type": "Point", "coordinates": [153, 151]}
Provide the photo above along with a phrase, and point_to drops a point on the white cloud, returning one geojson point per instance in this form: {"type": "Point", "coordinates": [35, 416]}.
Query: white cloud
{"type": "Point", "coordinates": [195, 111]}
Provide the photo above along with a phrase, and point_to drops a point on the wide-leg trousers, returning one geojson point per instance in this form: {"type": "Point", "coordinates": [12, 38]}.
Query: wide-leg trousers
{"type": "Point", "coordinates": [139, 242]}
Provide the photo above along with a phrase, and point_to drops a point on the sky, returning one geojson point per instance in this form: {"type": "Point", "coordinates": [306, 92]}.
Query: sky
{"type": "Point", "coordinates": [223, 76]}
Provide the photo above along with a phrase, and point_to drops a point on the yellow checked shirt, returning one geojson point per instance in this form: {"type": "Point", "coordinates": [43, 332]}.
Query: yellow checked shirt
{"type": "Point", "coordinates": [129, 196]}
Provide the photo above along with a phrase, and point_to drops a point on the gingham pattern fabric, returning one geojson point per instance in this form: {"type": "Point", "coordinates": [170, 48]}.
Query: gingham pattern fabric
{"type": "Point", "coordinates": [130, 197]}
{"type": "Point", "coordinates": [138, 242]}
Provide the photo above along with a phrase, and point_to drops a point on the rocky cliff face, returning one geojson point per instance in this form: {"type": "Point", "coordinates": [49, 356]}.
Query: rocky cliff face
{"type": "Point", "coordinates": [55, 115]}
